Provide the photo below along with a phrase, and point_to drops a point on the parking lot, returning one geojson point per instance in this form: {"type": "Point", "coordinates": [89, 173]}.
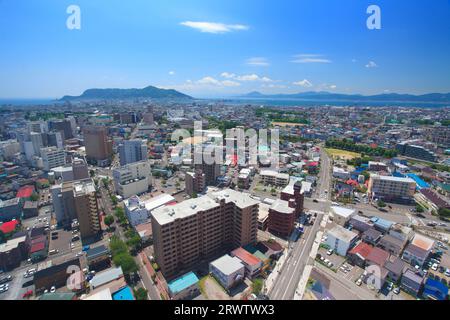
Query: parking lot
{"type": "Point", "coordinates": [44, 217]}
{"type": "Point", "coordinates": [61, 242]}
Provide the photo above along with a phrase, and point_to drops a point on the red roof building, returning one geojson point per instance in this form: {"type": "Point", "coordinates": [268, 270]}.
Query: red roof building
{"type": "Point", "coordinates": [25, 192]}
{"type": "Point", "coordinates": [9, 227]}
{"type": "Point", "coordinates": [378, 256]}
{"type": "Point", "coordinates": [363, 249]}
{"type": "Point", "coordinates": [37, 247]}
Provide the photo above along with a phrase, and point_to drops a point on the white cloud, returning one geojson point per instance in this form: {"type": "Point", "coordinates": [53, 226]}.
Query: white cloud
{"type": "Point", "coordinates": [246, 77]}
{"type": "Point", "coordinates": [228, 75]}
{"type": "Point", "coordinates": [214, 82]}
{"type": "Point", "coordinates": [310, 58]}
{"type": "Point", "coordinates": [274, 86]}
{"type": "Point", "coordinates": [371, 64]}
{"type": "Point", "coordinates": [258, 62]}
{"type": "Point", "coordinates": [214, 27]}
{"type": "Point", "coordinates": [333, 87]}
{"type": "Point", "coordinates": [303, 83]}
{"type": "Point", "coordinates": [171, 73]}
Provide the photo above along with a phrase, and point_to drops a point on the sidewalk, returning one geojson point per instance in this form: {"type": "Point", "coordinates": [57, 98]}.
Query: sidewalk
{"type": "Point", "coordinates": [148, 267]}
{"type": "Point", "coordinates": [270, 281]}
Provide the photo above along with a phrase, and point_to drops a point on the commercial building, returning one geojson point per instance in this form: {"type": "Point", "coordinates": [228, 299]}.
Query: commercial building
{"type": "Point", "coordinates": [341, 240]}
{"type": "Point", "coordinates": [10, 209]}
{"type": "Point", "coordinates": [229, 271]}
{"type": "Point", "coordinates": [63, 203]}
{"type": "Point", "coordinates": [53, 157]}
{"type": "Point", "coordinates": [195, 182]}
{"type": "Point", "coordinates": [13, 252]}
{"type": "Point", "coordinates": [64, 126]}
{"type": "Point", "coordinates": [294, 194]}
{"type": "Point", "coordinates": [210, 170]}
{"type": "Point", "coordinates": [98, 145]}
{"type": "Point", "coordinates": [135, 211]}
{"type": "Point", "coordinates": [131, 151]}
{"type": "Point", "coordinates": [57, 275]}
{"type": "Point", "coordinates": [132, 179]}
{"type": "Point", "coordinates": [390, 188]}
{"type": "Point", "coordinates": [340, 173]}
{"type": "Point", "coordinates": [193, 230]}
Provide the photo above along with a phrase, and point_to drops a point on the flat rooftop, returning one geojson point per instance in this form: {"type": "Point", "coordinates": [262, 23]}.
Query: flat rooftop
{"type": "Point", "coordinates": [227, 264]}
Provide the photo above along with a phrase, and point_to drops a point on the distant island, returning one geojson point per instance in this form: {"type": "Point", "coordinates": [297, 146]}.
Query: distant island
{"type": "Point", "coordinates": [149, 92]}
{"type": "Point", "coordinates": [441, 98]}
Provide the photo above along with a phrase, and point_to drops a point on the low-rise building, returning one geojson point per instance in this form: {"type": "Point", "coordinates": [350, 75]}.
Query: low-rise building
{"type": "Point", "coordinates": [342, 215]}
{"type": "Point", "coordinates": [184, 287]}
{"type": "Point", "coordinates": [132, 179]}
{"type": "Point", "coordinates": [341, 240]}
{"type": "Point", "coordinates": [411, 282]}
{"type": "Point", "coordinates": [252, 264]}
{"type": "Point", "coordinates": [270, 177]}
{"type": "Point", "coordinates": [392, 245]}
{"type": "Point", "coordinates": [388, 188]}
{"type": "Point", "coordinates": [229, 271]}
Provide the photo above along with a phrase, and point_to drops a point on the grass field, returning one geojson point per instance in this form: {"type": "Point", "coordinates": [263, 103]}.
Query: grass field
{"type": "Point", "coordinates": [343, 154]}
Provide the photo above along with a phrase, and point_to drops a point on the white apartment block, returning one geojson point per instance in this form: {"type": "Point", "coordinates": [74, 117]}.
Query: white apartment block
{"type": "Point", "coordinates": [52, 157]}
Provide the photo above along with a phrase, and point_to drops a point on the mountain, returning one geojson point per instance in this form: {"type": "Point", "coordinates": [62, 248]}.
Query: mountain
{"type": "Point", "coordinates": [111, 94]}
{"type": "Point", "coordinates": [328, 96]}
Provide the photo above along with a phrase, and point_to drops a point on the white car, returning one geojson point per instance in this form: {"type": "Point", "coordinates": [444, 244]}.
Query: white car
{"type": "Point", "coordinates": [330, 252]}
{"type": "Point", "coordinates": [53, 289]}
{"type": "Point", "coordinates": [434, 267]}
{"type": "Point", "coordinates": [397, 290]}
{"type": "Point", "coordinates": [359, 282]}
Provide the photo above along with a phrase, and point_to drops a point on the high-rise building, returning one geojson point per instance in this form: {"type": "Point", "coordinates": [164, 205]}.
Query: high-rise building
{"type": "Point", "coordinates": [148, 116]}
{"type": "Point", "coordinates": [64, 126]}
{"type": "Point", "coordinates": [63, 203]}
{"type": "Point", "coordinates": [53, 157]}
{"type": "Point", "coordinates": [195, 182]}
{"type": "Point", "coordinates": [197, 229]}
{"type": "Point", "coordinates": [86, 208]}
{"type": "Point", "coordinates": [211, 170]}
{"type": "Point", "coordinates": [132, 151]}
{"type": "Point", "coordinates": [55, 139]}
{"type": "Point", "coordinates": [282, 218]}
{"type": "Point", "coordinates": [80, 169]}
{"type": "Point", "coordinates": [415, 151]}
{"type": "Point", "coordinates": [98, 145]}
{"type": "Point", "coordinates": [37, 142]}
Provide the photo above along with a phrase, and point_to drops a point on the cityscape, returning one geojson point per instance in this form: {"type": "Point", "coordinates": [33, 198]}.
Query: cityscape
{"type": "Point", "coordinates": [234, 187]}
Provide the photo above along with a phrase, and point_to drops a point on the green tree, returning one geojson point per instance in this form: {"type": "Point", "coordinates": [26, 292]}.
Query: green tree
{"type": "Point", "coordinates": [109, 220]}
{"type": "Point", "coordinates": [381, 204]}
{"type": "Point", "coordinates": [126, 261]}
{"type": "Point", "coordinates": [419, 208]}
{"type": "Point", "coordinates": [141, 294]}
{"type": "Point", "coordinates": [444, 212]}
{"type": "Point", "coordinates": [34, 197]}
{"type": "Point", "coordinates": [257, 285]}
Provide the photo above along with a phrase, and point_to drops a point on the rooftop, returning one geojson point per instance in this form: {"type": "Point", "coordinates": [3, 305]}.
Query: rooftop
{"type": "Point", "coordinates": [282, 206]}
{"type": "Point", "coordinates": [422, 242]}
{"type": "Point", "coordinates": [342, 233]}
{"type": "Point", "coordinates": [227, 264]}
{"type": "Point", "coordinates": [104, 277]}
{"type": "Point", "coordinates": [246, 256]}
{"type": "Point", "coordinates": [341, 211]}
{"type": "Point", "coordinates": [183, 282]}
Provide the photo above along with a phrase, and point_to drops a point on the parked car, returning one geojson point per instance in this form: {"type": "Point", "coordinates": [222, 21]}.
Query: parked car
{"type": "Point", "coordinates": [397, 290]}
{"type": "Point", "coordinates": [27, 294]}
{"type": "Point", "coordinates": [359, 282]}
{"type": "Point", "coordinates": [330, 252]}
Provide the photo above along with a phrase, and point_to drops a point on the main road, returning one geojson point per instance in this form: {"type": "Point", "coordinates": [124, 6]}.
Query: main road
{"type": "Point", "coordinates": [299, 251]}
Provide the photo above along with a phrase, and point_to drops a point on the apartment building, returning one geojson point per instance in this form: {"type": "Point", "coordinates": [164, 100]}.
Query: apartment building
{"type": "Point", "coordinates": [131, 151]}
{"type": "Point", "coordinates": [86, 208]}
{"type": "Point", "coordinates": [282, 217]}
{"type": "Point", "coordinates": [132, 179]}
{"type": "Point", "coordinates": [390, 188]}
{"type": "Point", "coordinates": [195, 182]}
{"type": "Point", "coordinates": [98, 145]}
{"type": "Point", "coordinates": [196, 229]}
{"type": "Point", "coordinates": [53, 157]}
{"type": "Point", "coordinates": [270, 177]}
{"type": "Point", "coordinates": [415, 151]}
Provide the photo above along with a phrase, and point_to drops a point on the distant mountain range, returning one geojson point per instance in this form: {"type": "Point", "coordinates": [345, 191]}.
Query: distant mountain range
{"type": "Point", "coordinates": [122, 94]}
{"type": "Point", "coordinates": [328, 96]}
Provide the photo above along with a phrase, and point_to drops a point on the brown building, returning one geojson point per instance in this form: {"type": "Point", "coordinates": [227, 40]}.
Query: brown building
{"type": "Point", "coordinates": [13, 252]}
{"type": "Point", "coordinates": [195, 182]}
{"type": "Point", "coordinates": [197, 229]}
{"type": "Point", "coordinates": [294, 192]}
{"type": "Point", "coordinates": [98, 145]}
{"type": "Point", "coordinates": [282, 218]}
{"type": "Point", "coordinates": [211, 171]}
{"type": "Point", "coordinates": [55, 275]}
{"type": "Point", "coordinates": [86, 208]}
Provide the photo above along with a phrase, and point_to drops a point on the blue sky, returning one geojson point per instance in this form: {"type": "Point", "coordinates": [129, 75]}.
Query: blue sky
{"type": "Point", "coordinates": [222, 48]}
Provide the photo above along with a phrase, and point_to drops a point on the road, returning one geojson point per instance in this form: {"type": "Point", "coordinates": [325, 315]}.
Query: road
{"type": "Point", "coordinates": [299, 253]}
{"type": "Point", "coordinates": [298, 256]}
